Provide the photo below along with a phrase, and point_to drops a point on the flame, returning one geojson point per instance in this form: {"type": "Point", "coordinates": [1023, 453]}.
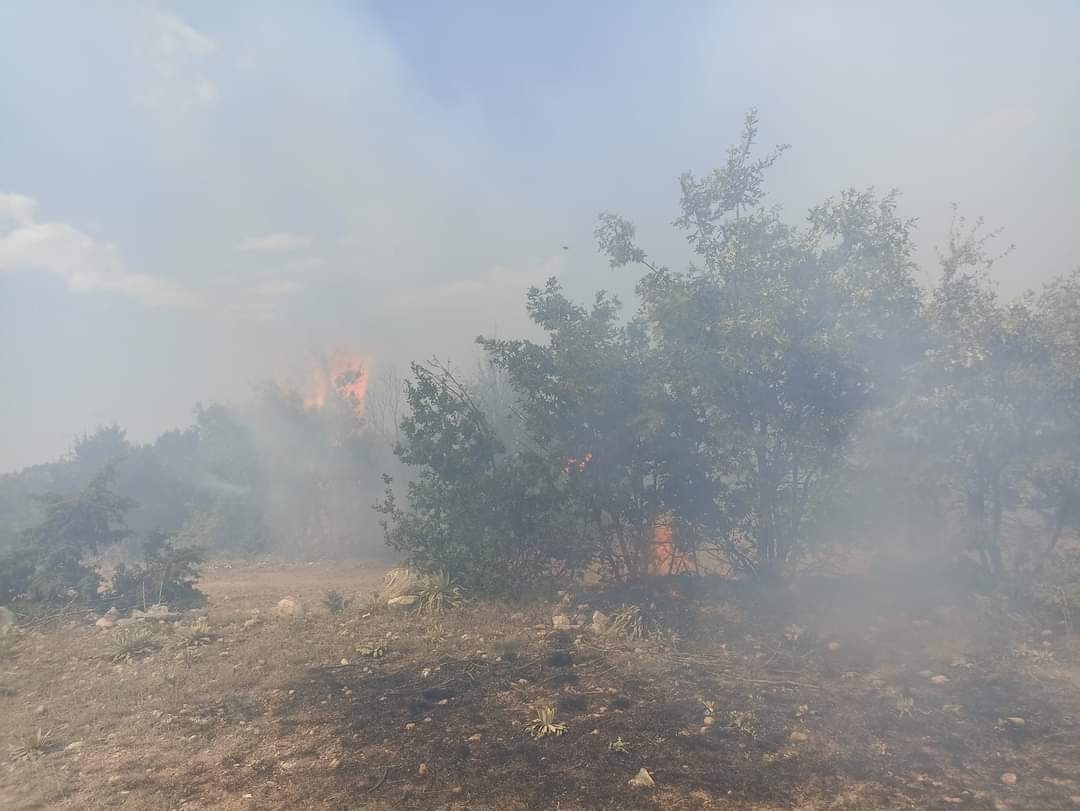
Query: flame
{"type": "Point", "coordinates": [663, 556]}
{"type": "Point", "coordinates": [343, 372]}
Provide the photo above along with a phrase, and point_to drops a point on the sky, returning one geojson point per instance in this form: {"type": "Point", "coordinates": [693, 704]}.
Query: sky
{"type": "Point", "coordinates": [195, 196]}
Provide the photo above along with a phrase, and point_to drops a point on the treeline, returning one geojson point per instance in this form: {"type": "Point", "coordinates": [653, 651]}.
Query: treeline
{"type": "Point", "coordinates": [268, 476]}
{"type": "Point", "coordinates": [794, 388]}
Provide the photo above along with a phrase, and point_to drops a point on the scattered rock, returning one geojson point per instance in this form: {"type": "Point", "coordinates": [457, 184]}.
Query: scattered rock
{"type": "Point", "coordinates": [1008, 778]}
{"type": "Point", "coordinates": [798, 736]}
{"type": "Point", "coordinates": [289, 607]}
{"type": "Point", "coordinates": [642, 779]}
{"type": "Point", "coordinates": [939, 679]}
{"type": "Point", "coordinates": [403, 601]}
{"type": "Point", "coordinates": [105, 622]}
{"type": "Point", "coordinates": [1016, 721]}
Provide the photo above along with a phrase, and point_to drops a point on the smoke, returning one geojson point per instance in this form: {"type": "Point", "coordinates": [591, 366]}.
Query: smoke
{"type": "Point", "coordinates": [200, 196]}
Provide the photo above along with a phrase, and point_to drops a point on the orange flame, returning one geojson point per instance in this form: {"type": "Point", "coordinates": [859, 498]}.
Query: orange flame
{"type": "Point", "coordinates": [343, 372]}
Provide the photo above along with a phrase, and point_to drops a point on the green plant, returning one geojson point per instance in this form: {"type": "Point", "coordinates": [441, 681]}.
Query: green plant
{"type": "Point", "coordinates": [195, 634]}
{"type": "Point", "coordinates": [633, 623]}
{"type": "Point", "coordinates": [438, 593]}
{"type": "Point", "coordinates": [619, 745]}
{"type": "Point", "coordinates": [336, 602]}
{"type": "Point", "coordinates": [166, 574]}
{"type": "Point", "coordinates": [544, 724]}
{"type": "Point", "coordinates": [33, 745]}
{"type": "Point", "coordinates": [129, 643]}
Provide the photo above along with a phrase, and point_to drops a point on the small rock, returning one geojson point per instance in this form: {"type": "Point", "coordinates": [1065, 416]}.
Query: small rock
{"type": "Point", "coordinates": [642, 779]}
{"type": "Point", "coordinates": [473, 738]}
{"type": "Point", "coordinates": [517, 616]}
{"type": "Point", "coordinates": [403, 601]}
{"type": "Point", "coordinates": [344, 661]}
{"type": "Point", "coordinates": [409, 727]}
{"type": "Point", "coordinates": [798, 736]}
{"type": "Point", "coordinates": [1008, 778]}
{"type": "Point", "coordinates": [1046, 632]}
{"type": "Point", "coordinates": [113, 612]}
{"type": "Point", "coordinates": [289, 607]}
{"type": "Point", "coordinates": [708, 721]}
{"type": "Point", "coordinates": [833, 646]}
{"type": "Point", "coordinates": [74, 746]}
{"type": "Point", "coordinates": [39, 709]}
{"type": "Point", "coordinates": [925, 674]}
{"type": "Point", "coordinates": [423, 770]}
{"type": "Point", "coordinates": [939, 679]}
{"type": "Point", "coordinates": [251, 623]}
{"type": "Point", "coordinates": [126, 621]}
{"type": "Point", "coordinates": [105, 622]}
{"type": "Point", "coordinates": [1016, 721]}
{"type": "Point", "coordinates": [595, 732]}
{"type": "Point", "coordinates": [703, 731]}
{"type": "Point", "coordinates": [561, 622]}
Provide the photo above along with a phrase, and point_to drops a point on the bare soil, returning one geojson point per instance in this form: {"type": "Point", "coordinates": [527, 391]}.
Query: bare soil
{"type": "Point", "coordinates": [829, 693]}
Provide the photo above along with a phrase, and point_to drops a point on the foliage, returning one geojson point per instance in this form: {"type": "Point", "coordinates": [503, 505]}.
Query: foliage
{"type": "Point", "coordinates": [335, 602]}
{"type": "Point", "coordinates": [196, 634]}
{"type": "Point", "coordinates": [438, 593]}
{"type": "Point", "coordinates": [130, 643]}
{"type": "Point", "coordinates": [166, 574]}
{"type": "Point", "coordinates": [544, 724]}
{"type": "Point", "coordinates": [33, 745]}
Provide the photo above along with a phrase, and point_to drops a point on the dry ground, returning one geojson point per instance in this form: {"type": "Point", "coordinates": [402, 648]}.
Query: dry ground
{"type": "Point", "coordinates": [848, 694]}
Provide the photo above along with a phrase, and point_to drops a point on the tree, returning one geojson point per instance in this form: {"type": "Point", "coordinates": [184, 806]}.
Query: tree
{"type": "Point", "coordinates": [779, 338]}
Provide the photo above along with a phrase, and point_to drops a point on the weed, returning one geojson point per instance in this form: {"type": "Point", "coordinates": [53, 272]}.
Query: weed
{"type": "Point", "coordinates": [905, 707]}
{"type": "Point", "coordinates": [198, 633]}
{"type": "Point", "coordinates": [544, 724]}
{"type": "Point", "coordinates": [438, 593]}
{"type": "Point", "coordinates": [619, 745]}
{"type": "Point", "coordinates": [33, 745]}
{"type": "Point", "coordinates": [633, 623]}
{"type": "Point", "coordinates": [373, 604]}
{"type": "Point", "coordinates": [129, 643]}
{"type": "Point", "coordinates": [335, 602]}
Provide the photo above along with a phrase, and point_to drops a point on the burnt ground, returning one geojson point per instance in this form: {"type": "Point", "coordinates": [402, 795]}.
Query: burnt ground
{"type": "Point", "coordinates": [829, 693]}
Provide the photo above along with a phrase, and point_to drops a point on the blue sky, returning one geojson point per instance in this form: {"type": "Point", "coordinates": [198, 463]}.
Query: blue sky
{"type": "Point", "coordinates": [195, 195]}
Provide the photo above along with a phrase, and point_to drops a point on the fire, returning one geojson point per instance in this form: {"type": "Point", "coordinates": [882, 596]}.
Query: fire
{"type": "Point", "coordinates": [343, 372]}
{"type": "Point", "coordinates": [664, 557]}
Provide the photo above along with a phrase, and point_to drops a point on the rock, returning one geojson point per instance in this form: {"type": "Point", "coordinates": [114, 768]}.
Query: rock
{"type": "Point", "coordinates": [403, 601]}
{"type": "Point", "coordinates": [600, 622]}
{"type": "Point", "coordinates": [74, 746]}
{"type": "Point", "coordinates": [113, 612]}
{"type": "Point", "coordinates": [409, 727]}
{"type": "Point", "coordinates": [474, 738]}
{"type": "Point", "coordinates": [157, 612]}
{"type": "Point", "coordinates": [126, 621]}
{"type": "Point", "coordinates": [423, 770]}
{"type": "Point", "coordinates": [517, 616]}
{"type": "Point", "coordinates": [105, 622]}
{"type": "Point", "coordinates": [289, 607]}
{"type": "Point", "coordinates": [798, 736]}
{"type": "Point", "coordinates": [561, 622]}
{"type": "Point", "coordinates": [708, 721]}
{"type": "Point", "coordinates": [39, 709]}
{"type": "Point", "coordinates": [251, 623]}
{"type": "Point", "coordinates": [642, 779]}
{"type": "Point", "coordinates": [833, 646]}
{"type": "Point", "coordinates": [939, 679]}
{"type": "Point", "coordinates": [926, 673]}
{"type": "Point", "coordinates": [1008, 778]}
{"type": "Point", "coordinates": [1016, 721]}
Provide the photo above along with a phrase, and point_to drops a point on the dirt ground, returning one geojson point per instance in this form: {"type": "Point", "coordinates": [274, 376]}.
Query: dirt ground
{"type": "Point", "coordinates": [842, 693]}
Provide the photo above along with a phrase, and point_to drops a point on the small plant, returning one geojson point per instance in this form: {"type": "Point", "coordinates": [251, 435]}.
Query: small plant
{"type": "Point", "coordinates": [373, 604]}
{"type": "Point", "coordinates": [619, 745]}
{"type": "Point", "coordinates": [905, 707]}
{"type": "Point", "coordinates": [438, 593]}
{"type": "Point", "coordinates": [709, 707]}
{"type": "Point", "coordinates": [335, 601]}
{"type": "Point", "coordinates": [373, 650]}
{"type": "Point", "coordinates": [743, 721]}
{"type": "Point", "coordinates": [33, 745]}
{"type": "Point", "coordinates": [632, 623]}
{"type": "Point", "coordinates": [198, 633]}
{"type": "Point", "coordinates": [793, 633]}
{"type": "Point", "coordinates": [544, 724]}
{"type": "Point", "coordinates": [128, 643]}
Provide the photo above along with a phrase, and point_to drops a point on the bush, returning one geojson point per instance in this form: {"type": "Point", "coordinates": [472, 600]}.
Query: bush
{"type": "Point", "coordinates": [167, 574]}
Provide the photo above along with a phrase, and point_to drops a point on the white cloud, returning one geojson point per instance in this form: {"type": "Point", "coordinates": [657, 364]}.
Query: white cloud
{"type": "Point", "coordinates": [277, 287]}
{"type": "Point", "coordinates": [276, 242]}
{"type": "Point", "coordinates": [178, 56]}
{"type": "Point", "coordinates": [84, 264]}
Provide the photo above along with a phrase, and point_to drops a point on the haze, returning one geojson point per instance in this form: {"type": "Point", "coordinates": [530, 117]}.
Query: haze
{"type": "Point", "coordinates": [195, 196]}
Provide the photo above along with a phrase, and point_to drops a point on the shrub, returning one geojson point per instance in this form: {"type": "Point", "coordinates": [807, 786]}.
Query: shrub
{"type": "Point", "coordinates": [167, 574]}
